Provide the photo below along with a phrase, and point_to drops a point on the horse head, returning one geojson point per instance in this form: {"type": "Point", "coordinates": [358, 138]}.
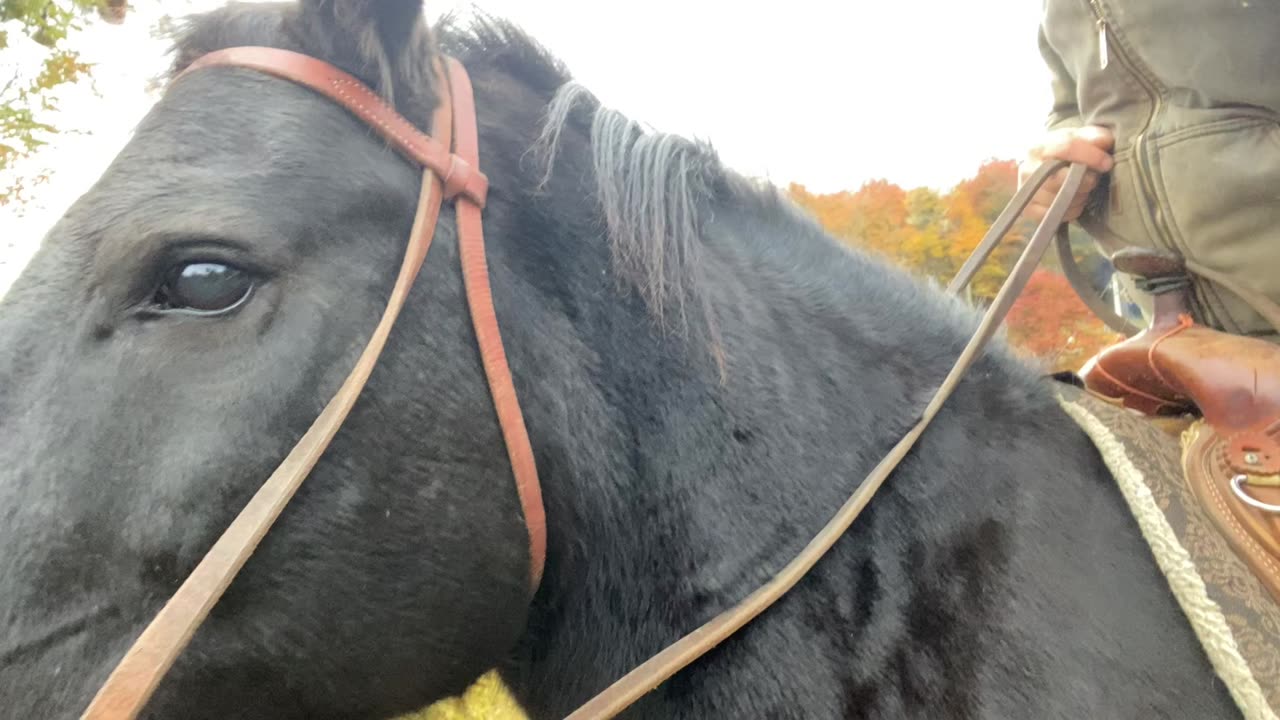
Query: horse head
{"type": "Point", "coordinates": [703, 372]}
{"type": "Point", "coordinates": [180, 328]}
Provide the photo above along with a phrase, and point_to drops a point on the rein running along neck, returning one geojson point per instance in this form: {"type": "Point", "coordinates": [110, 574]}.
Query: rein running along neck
{"type": "Point", "coordinates": [635, 684]}
{"type": "Point", "coordinates": [455, 175]}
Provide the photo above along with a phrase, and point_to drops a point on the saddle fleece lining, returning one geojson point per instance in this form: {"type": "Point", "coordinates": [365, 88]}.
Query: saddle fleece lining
{"type": "Point", "coordinates": [1206, 615]}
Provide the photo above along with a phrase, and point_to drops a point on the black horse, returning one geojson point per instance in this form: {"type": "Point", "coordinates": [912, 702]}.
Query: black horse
{"type": "Point", "coordinates": [705, 375]}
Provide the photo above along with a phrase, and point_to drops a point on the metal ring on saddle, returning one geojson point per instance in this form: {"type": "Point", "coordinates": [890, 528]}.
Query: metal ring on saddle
{"type": "Point", "coordinates": [1237, 486]}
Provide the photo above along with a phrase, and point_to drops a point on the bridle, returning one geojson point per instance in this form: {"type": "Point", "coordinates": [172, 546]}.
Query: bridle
{"type": "Point", "coordinates": [450, 162]}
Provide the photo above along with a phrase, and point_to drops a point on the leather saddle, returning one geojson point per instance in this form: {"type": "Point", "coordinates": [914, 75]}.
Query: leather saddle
{"type": "Point", "coordinates": [1227, 385]}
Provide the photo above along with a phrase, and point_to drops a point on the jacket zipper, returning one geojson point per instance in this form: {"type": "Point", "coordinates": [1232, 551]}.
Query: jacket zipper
{"type": "Point", "coordinates": [1142, 139]}
{"type": "Point", "coordinates": [1102, 38]}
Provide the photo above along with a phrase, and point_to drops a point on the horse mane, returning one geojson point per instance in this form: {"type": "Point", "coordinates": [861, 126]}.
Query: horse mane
{"type": "Point", "coordinates": [652, 188]}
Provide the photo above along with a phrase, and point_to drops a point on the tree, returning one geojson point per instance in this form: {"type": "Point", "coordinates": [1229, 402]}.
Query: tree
{"type": "Point", "coordinates": [879, 217]}
{"type": "Point", "coordinates": [933, 234]}
{"type": "Point", "coordinates": [925, 247]}
{"type": "Point", "coordinates": [1048, 320]}
{"type": "Point", "coordinates": [40, 27]}
{"type": "Point", "coordinates": [833, 211]}
{"type": "Point", "coordinates": [973, 206]}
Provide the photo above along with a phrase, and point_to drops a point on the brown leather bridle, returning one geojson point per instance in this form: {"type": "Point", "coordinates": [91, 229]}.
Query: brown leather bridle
{"type": "Point", "coordinates": [451, 171]}
{"type": "Point", "coordinates": [450, 163]}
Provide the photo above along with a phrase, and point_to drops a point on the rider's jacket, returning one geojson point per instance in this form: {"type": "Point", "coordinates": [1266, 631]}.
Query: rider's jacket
{"type": "Point", "coordinates": [1191, 89]}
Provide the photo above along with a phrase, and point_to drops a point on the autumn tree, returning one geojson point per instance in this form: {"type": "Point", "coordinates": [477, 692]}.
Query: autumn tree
{"type": "Point", "coordinates": [972, 208]}
{"type": "Point", "coordinates": [933, 234]}
{"type": "Point", "coordinates": [1050, 321]}
{"type": "Point", "coordinates": [40, 27]}
{"type": "Point", "coordinates": [925, 247]}
{"type": "Point", "coordinates": [833, 211]}
{"type": "Point", "coordinates": [879, 216]}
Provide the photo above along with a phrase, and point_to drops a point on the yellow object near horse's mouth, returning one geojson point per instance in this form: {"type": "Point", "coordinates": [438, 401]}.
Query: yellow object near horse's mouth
{"type": "Point", "coordinates": [487, 699]}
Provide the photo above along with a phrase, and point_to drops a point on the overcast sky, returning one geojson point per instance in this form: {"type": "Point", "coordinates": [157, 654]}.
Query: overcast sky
{"type": "Point", "coordinates": [828, 93]}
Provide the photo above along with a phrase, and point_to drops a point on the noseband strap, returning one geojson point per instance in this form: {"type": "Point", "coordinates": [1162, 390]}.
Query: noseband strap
{"type": "Point", "coordinates": [447, 175]}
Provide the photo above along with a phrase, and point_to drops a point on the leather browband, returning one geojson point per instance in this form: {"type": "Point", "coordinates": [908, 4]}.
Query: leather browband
{"type": "Point", "coordinates": [446, 175]}
{"type": "Point", "coordinates": [460, 176]}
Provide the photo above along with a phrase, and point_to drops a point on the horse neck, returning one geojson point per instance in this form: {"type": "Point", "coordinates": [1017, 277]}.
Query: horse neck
{"type": "Point", "coordinates": [671, 489]}
{"type": "Point", "coordinates": [674, 487]}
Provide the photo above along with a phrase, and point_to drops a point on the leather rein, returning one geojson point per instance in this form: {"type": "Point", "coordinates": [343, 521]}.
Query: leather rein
{"type": "Point", "coordinates": [450, 164]}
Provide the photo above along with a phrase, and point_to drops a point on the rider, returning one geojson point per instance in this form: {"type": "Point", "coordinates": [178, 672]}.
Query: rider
{"type": "Point", "coordinates": [1174, 105]}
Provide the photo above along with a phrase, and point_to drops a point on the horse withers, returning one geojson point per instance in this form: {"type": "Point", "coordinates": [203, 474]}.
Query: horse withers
{"type": "Point", "coordinates": [705, 375]}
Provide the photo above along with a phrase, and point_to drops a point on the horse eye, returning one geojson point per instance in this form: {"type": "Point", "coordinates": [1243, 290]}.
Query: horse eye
{"type": "Point", "coordinates": [203, 287]}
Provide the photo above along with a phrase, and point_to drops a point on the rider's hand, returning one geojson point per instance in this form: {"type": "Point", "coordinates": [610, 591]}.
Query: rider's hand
{"type": "Point", "coordinates": [1090, 145]}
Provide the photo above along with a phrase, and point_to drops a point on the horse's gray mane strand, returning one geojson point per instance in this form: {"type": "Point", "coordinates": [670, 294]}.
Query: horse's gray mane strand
{"type": "Point", "coordinates": [650, 186]}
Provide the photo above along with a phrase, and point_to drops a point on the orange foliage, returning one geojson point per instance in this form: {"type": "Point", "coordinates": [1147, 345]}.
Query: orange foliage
{"type": "Point", "coordinates": [876, 214]}
{"type": "Point", "coordinates": [934, 234]}
{"type": "Point", "coordinates": [1050, 321]}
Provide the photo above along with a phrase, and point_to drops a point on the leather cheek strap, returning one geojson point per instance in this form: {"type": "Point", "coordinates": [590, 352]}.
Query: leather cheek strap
{"type": "Point", "coordinates": [493, 356]}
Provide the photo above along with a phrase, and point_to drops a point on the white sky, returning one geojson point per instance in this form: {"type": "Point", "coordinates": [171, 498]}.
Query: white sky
{"type": "Point", "coordinates": [828, 93]}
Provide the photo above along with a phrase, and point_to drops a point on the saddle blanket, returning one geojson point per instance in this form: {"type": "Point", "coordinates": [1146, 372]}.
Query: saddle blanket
{"type": "Point", "coordinates": [1233, 614]}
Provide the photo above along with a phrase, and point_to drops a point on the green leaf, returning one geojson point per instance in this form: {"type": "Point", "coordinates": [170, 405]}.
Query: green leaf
{"type": "Point", "coordinates": [47, 23]}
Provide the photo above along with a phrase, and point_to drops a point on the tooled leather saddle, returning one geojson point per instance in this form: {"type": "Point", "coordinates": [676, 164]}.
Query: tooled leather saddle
{"type": "Point", "coordinates": [1226, 386]}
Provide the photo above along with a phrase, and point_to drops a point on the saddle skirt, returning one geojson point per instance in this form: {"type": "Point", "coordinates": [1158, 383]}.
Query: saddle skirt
{"type": "Point", "coordinates": [1176, 478]}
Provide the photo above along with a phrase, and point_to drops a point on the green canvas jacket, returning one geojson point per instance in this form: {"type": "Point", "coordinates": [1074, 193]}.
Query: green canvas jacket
{"type": "Point", "coordinates": [1191, 90]}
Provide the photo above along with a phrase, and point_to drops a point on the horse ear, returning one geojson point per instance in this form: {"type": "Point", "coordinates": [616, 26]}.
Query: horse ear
{"type": "Point", "coordinates": [390, 37]}
{"type": "Point", "coordinates": [395, 25]}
